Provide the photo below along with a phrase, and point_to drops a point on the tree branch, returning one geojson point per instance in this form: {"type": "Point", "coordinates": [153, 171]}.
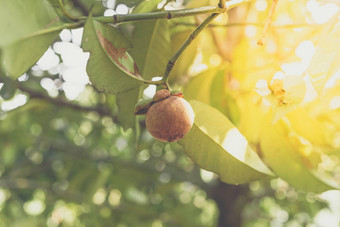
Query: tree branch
{"type": "Point", "coordinates": [168, 14]}
{"type": "Point", "coordinates": [23, 183]}
{"type": "Point", "coordinates": [64, 103]}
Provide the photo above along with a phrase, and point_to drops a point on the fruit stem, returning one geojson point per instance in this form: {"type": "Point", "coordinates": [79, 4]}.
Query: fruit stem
{"type": "Point", "coordinates": [191, 37]}
{"type": "Point", "coordinates": [222, 6]}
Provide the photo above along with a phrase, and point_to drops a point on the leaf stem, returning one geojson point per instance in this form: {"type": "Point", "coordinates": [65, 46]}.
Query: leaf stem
{"type": "Point", "coordinates": [56, 28]}
{"type": "Point", "coordinates": [64, 102]}
{"type": "Point", "coordinates": [64, 11]}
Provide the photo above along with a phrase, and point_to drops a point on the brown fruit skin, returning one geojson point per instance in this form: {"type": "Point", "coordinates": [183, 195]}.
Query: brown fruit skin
{"type": "Point", "coordinates": [170, 119]}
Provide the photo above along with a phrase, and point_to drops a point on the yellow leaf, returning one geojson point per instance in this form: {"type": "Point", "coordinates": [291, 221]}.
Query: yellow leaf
{"type": "Point", "coordinates": [325, 62]}
{"type": "Point", "coordinates": [281, 153]}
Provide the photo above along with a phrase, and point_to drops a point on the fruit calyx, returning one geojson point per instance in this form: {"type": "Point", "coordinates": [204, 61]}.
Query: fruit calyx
{"type": "Point", "coordinates": [142, 106]}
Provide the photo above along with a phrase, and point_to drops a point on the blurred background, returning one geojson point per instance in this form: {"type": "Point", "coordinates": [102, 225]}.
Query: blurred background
{"type": "Point", "coordinates": [66, 160]}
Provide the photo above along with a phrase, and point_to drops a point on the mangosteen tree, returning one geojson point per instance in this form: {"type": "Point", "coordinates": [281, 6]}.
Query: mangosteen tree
{"type": "Point", "coordinates": [237, 114]}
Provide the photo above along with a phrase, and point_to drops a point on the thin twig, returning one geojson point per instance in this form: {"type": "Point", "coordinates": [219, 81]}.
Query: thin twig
{"type": "Point", "coordinates": [268, 22]}
{"type": "Point", "coordinates": [282, 26]}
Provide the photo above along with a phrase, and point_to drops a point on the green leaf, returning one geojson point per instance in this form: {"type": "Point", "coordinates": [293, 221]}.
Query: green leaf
{"type": "Point", "coordinates": [284, 159]}
{"type": "Point", "coordinates": [9, 88]}
{"type": "Point", "coordinates": [217, 93]}
{"type": "Point", "coordinates": [187, 57]}
{"type": "Point", "coordinates": [221, 99]}
{"type": "Point", "coordinates": [151, 47]}
{"type": "Point", "coordinates": [126, 107]}
{"type": "Point", "coordinates": [209, 87]}
{"type": "Point", "coordinates": [199, 88]}
{"type": "Point", "coordinates": [88, 4]}
{"type": "Point", "coordinates": [79, 8]}
{"type": "Point", "coordinates": [215, 144]}
{"type": "Point", "coordinates": [310, 127]}
{"type": "Point", "coordinates": [143, 106]}
{"type": "Point", "coordinates": [151, 51]}
{"type": "Point", "coordinates": [110, 67]}
{"type": "Point", "coordinates": [27, 28]}
{"type": "Point", "coordinates": [147, 6]}
{"type": "Point", "coordinates": [325, 62]}
{"type": "Point", "coordinates": [129, 3]}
